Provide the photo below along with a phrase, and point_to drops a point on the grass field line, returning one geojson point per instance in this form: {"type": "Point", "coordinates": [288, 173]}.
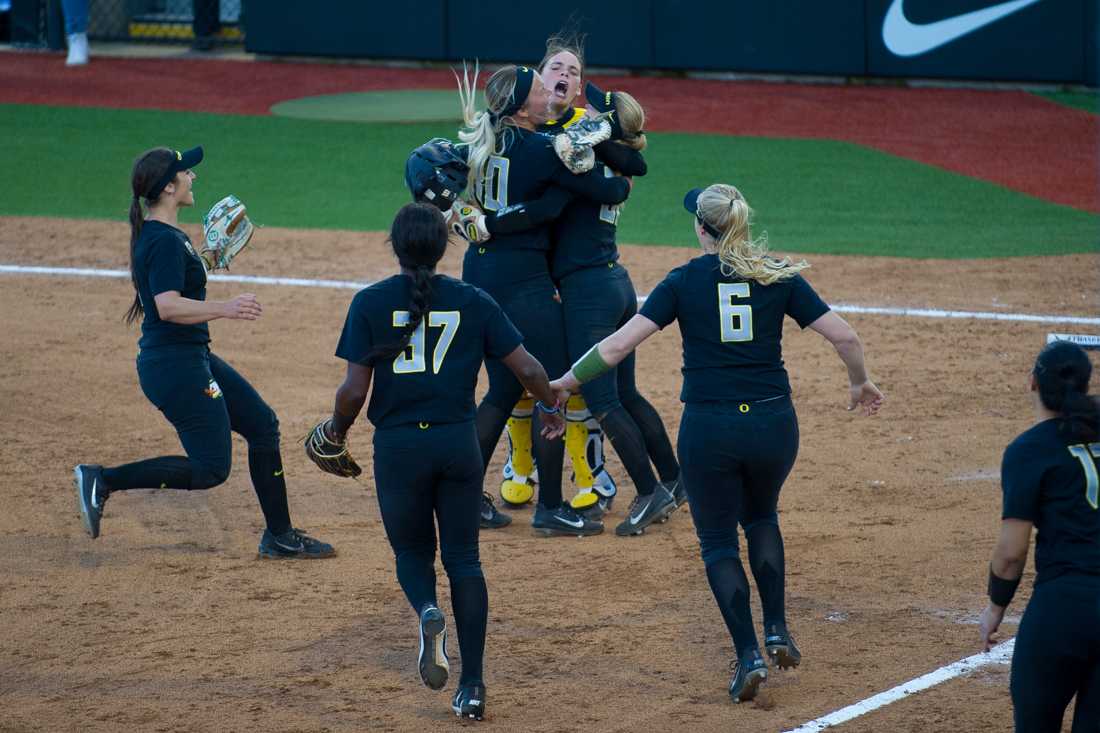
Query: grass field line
{"type": "Point", "coordinates": [1000, 654]}
{"type": "Point", "coordinates": [354, 285]}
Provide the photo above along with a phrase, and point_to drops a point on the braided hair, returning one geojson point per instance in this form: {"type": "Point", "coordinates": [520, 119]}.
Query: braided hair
{"type": "Point", "coordinates": [1062, 373]}
{"type": "Point", "coordinates": [149, 168]}
{"type": "Point", "coordinates": [419, 239]}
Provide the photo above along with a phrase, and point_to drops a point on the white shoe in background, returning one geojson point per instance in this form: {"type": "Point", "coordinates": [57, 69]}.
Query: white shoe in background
{"type": "Point", "coordinates": [78, 50]}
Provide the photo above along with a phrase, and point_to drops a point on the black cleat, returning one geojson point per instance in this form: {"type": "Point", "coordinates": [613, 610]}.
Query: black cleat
{"type": "Point", "coordinates": [679, 493]}
{"type": "Point", "coordinates": [91, 493]}
{"type": "Point", "coordinates": [432, 659]}
{"type": "Point", "coordinates": [293, 544]}
{"type": "Point", "coordinates": [780, 648]}
{"type": "Point", "coordinates": [645, 510]}
{"type": "Point", "coordinates": [564, 520]}
{"type": "Point", "coordinates": [469, 701]}
{"type": "Point", "coordinates": [490, 517]}
{"type": "Point", "coordinates": [748, 674]}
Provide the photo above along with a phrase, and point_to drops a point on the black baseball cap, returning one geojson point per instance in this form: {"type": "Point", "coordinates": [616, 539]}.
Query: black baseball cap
{"type": "Point", "coordinates": [604, 103]}
{"type": "Point", "coordinates": [182, 161]}
{"type": "Point", "coordinates": [691, 203]}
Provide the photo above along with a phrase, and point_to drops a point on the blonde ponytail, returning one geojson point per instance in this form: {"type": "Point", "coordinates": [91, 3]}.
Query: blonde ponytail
{"type": "Point", "coordinates": [482, 128]}
{"type": "Point", "coordinates": [724, 208]}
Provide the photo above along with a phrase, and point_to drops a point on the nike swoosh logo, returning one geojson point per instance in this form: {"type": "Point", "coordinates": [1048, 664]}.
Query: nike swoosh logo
{"type": "Point", "coordinates": [905, 38]}
{"type": "Point", "coordinates": [636, 519]}
{"type": "Point", "coordinates": [95, 484]}
{"type": "Point", "coordinates": [578, 523]}
{"type": "Point", "coordinates": [278, 473]}
{"type": "Point", "coordinates": [293, 548]}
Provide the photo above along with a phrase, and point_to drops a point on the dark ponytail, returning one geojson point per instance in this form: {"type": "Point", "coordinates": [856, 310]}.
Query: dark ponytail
{"type": "Point", "coordinates": [419, 239]}
{"type": "Point", "coordinates": [148, 169]}
{"type": "Point", "coordinates": [1062, 373]}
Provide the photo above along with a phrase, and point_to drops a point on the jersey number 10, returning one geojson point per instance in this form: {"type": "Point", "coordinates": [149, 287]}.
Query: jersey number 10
{"type": "Point", "coordinates": [1092, 481]}
{"type": "Point", "coordinates": [412, 359]}
{"type": "Point", "coordinates": [736, 320]}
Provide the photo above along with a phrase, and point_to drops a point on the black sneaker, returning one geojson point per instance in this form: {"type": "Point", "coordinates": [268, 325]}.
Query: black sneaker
{"type": "Point", "coordinates": [490, 517]}
{"type": "Point", "coordinates": [293, 544]}
{"type": "Point", "coordinates": [780, 648]}
{"type": "Point", "coordinates": [679, 493]}
{"type": "Point", "coordinates": [469, 701]}
{"type": "Point", "coordinates": [91, 492]}
{"type": "Point", "coordinates": [432, 660]}
{"type": "Point", "coordinates": [748, 674]}
{"type": "Point", "coordinates": [645, 510]}
{"type": "Point", "coordinates": [564, 520]}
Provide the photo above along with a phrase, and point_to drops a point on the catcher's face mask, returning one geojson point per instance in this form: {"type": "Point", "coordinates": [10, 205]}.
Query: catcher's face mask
{"type": "Point", "coordinates": [183, 161]}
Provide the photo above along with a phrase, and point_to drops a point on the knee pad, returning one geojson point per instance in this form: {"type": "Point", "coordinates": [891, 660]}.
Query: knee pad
{"type": "Point", "coordinates": [718, 544]}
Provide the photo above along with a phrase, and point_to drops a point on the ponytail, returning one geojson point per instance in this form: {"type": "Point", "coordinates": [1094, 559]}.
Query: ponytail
{"type": "Point", "coordinates": [481, 128]}
{"type": "Point", "coordinates": [137, 219]}
{"type": "Point", "coordinates": [1080, 421]}
{"type": "Point", "coordinates": [420, 298]}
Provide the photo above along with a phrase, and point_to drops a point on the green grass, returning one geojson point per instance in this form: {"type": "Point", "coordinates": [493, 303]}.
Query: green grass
{"type": "Point", "coordinates": [812, 196]}
{"type": "Point", "coordinates": [1088, 101]}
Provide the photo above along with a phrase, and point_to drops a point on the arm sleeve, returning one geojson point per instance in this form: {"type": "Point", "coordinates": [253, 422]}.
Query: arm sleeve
{"type": "Point", "coordinates": [166, 265]}
{"type": "Point", "coordinates": [529, 214]}
{"type": "Point", "coordinates": [592, 185]}
{"type": "Point", "coordinates": [1020, 482]}
{"type": "Point", "coordinates": [804, 304]}
{"type": "Point", "coordinates": [501, 336]}
{"type": "Point", "coordinates": [356, 340]}
{"type": "Point", "coordinates": [661, 305]}
{"type": "Point", "coordinates": [619, 157]}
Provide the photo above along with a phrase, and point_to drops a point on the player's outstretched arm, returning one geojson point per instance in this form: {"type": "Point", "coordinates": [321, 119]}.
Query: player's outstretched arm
{"type": "Point", "coordinates": [604, 356]}
{"type": "Point", "coordinates": [862, 392]}
{"type": "Point", "coordinates": [173, 307]}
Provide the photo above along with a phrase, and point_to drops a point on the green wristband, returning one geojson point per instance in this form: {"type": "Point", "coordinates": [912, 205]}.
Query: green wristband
{"type": "Point", "coordinates": [590, 366]}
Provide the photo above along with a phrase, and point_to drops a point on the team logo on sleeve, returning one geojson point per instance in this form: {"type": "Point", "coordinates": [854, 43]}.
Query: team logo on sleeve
{"type": "Point", "coordinates": [213, 391]}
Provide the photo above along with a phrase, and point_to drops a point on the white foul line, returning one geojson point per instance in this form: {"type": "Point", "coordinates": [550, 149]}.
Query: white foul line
{"type": "Point", "coordinates": [354, 285]}
{"type": "Point", "coordinates": [1000, 654]}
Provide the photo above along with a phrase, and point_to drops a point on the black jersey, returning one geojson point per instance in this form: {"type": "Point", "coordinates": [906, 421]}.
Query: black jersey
{"type": "Point", "coordinates": [163, 261]}
{"type": "Point", "coordinates": [731, 329]}
{"type": "Point", "coordinates": [523, 170]}
{"type": "Point", "coordinates": [1055, 485]}
{"type": "Point", "coordinates": [584, 236]}
{"type": "Point", "coordinates": [433, 380]}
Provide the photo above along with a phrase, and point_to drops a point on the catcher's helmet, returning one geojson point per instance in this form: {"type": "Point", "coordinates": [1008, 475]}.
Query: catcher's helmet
{"type": "Point", "coordinates": [436, 173]}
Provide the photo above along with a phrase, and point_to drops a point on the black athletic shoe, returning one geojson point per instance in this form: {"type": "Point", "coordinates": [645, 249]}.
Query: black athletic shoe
{"type": "Point", "coordinates": [645, 510]}
{"type": "Point", "coordinates": [679, 493]}
{"type": "Point", "coordinates": [490, 517]}
{"type": "Point", "coordinates": [91, 492]}
{"type": "Point", "coordinates": [564, 520]}
{"type": "Point", "coordinates": [293, 544]}
{"type": "Point", "coordinates": [469, 701]}
{"type": "Point", "coordinates": [432, 660]}
{"type": "Point", "coordinates": [780, 648]}
{"type": "Point", "coordinates": [748, 674]}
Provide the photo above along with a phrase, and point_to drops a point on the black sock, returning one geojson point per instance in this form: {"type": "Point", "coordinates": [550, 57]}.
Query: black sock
{"type": "Point", "coordinates": [490, 422]}
{"type": "Point", "coordinates": [266, 469]}
{"type": "Point", "coordinates": [730, 586]}
{"type": "Point", "coordinates": [416, 576]}
{"type": "Point", "coordinates": [657, 443]}
{"type": "Point", "coordinates": [470, 603]}
{"type": "Point", "coordinates": [549, 455]}
{"type": "Point", "coordinates": [766, 561]}
{"type": "Point", "coordinates": [166, 472]}
{"type": "Point", "coordinates": [629, 444]}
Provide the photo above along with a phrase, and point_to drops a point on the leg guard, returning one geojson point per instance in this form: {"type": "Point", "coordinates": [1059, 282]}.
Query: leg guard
{"type": "Point", "coordinates": [517, 487]}
{"type": "Point", "coordinates": [584, 443]}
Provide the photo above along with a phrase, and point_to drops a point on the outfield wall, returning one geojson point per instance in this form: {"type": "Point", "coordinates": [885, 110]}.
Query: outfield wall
{"type": "Point", "coordinates": [1021, 40]}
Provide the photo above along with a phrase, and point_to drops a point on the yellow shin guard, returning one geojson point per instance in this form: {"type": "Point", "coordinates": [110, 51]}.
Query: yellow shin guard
{"type": "Point", "coordinates": [517, 488]}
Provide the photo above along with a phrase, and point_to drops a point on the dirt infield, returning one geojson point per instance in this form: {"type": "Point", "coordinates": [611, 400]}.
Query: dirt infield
{"type": "Point", "coordinates": [169, 623]}
{"type": "Point", "coordinates": [1014, 139]}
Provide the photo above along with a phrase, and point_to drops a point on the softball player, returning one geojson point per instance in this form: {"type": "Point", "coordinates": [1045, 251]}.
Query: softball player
{"type": "Point", "coordinates": [202, 396]}
{"type": "Point", "coordinates": [1049, 477]}
{"type": "Point", "coordinates": [739, 434]}
{"type": "Point", "coordinates": [509, 163]}
{"type": "Point", "coordinates": [421, 338]}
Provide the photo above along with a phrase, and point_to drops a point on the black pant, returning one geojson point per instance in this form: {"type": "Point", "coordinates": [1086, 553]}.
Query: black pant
{"type": "Point", "coordinates": [206, 21]}
{"type": "Point", "coordinates": [1057, 656]}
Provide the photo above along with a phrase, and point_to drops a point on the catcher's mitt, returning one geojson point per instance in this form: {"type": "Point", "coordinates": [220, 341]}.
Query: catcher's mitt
{"type": "Point", "coordinates": [226, 231]}
{"type": "Point", "coordinates": [574, 144]}
{"type": "Point", "coordinates": [330, 456]}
